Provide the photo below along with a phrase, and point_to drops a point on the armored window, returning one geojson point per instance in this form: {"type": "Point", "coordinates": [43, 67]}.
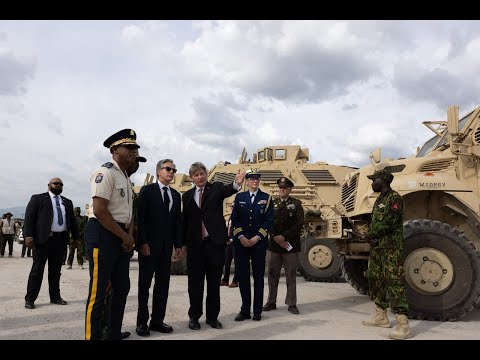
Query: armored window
{"type": "Point", "coordinates": [261, 155]}
{"type": "Point", "coordinates": [279, 154]}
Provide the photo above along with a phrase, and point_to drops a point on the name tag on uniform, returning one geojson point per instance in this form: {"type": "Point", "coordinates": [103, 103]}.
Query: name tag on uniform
{"type": "Point", "coordinates": [242, 202]}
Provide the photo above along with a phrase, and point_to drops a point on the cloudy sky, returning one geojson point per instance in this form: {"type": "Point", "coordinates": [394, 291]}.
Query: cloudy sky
{"type": "Point", "coordinates": [203, 90]}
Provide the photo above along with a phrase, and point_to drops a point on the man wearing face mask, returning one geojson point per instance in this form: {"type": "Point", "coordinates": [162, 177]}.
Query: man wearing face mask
{"type": "Point", "coordinates": [49, 218]}
{"type": "Point", "coordinates": [385, 270]}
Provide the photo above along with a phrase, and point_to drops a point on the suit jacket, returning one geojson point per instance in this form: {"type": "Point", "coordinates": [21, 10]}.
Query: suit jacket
{"type": "Point", "coordinates": [156, 226]}
{"type": "Point", "coordinates": [211, 213]}
{"type": "Point", "coordinates": [39, 217]}
{"type": "Point", "coordinates": [252, 219]}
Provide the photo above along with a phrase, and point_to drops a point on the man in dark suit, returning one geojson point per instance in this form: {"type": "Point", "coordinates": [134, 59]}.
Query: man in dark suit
{"type": "Point", "coordinates": [252, 217]}
{"type": "Point", "coordinates": [48, 220]}
{"type": "Point", "coordinates": [159, 229]}
{"type": "Point", "coordinates": [205, 237]}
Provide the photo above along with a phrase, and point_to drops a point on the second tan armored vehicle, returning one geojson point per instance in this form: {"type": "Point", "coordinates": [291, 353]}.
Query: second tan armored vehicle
{"type": "Point", "coordinates": [317, 185]}
{"type": "Point", "coordinates": [441, 190]}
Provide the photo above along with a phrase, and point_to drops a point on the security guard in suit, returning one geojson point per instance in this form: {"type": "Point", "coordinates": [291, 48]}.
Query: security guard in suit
{"type": "Point", "coordinates": [108, 235]}
{"type": "Point", "coordinates": [252, 217]}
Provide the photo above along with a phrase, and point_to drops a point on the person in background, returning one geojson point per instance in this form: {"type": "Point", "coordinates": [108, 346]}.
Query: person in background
{"type": "Point", "coordinates": [8, 228]}
{"type": "Point", "coordinates": [229, 256]}
{"type": "Point", "coordinates": [48, 221]}
{"type": "Point", "coordinates": [77, 244]}
{"type": "Point", "coordinates": [284, 245]}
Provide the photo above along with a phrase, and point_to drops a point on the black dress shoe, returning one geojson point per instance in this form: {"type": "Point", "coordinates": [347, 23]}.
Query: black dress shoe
{"type": "Point", "coordinates": [29, 305]}
{"type": "Point", "coordinates": [142, 330]}
{"type": "Point", "coordinates": [193, 324]}
{"type": "Point", "coordinates": [214, 324]}
{"type": "Point", "coordinates": [125, 334]}
{"type": "Point", "coordinates": [241, 316]}
{"type": "Point", "coordinates": [58, 301]}
{"type": "Point", "coordinates": [257, 317]}
{"type": "Point", "coordinates": [293, 309]}
{"type": "Point", "coordinates": [268, 307]}
{"type": "Point", "coordinates": [163, 328]}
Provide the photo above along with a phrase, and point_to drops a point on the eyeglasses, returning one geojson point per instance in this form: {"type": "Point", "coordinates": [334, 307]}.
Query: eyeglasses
{"type": "Point", "coordinates": [168, 168]}
{"type": "Point", "coordinates": [57, 183]}
{"type": "Point", "coordinates": [254, 178]}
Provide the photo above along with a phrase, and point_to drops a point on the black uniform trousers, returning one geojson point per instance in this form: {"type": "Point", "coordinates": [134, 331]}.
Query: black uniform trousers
{"type": "Point", "coordinates": [256, 254]}
{"type": "Point", "coordinates": [53, 252]}
{"type": "Point", "coordinates": [205, 261]}
{"type": "Point", "coordinates": [158, 263]}
{"type": "Point", "coordinates": [107, 262]}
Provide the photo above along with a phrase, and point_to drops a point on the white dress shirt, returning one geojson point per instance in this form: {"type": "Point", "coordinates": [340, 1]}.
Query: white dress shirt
{"type": "Point", "coordinates": [55, 227]}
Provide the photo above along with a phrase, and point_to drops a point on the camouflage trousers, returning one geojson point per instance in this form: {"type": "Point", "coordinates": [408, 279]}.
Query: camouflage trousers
{"type": "Point", "coordinates": [386, 280]}
{"type": "Point", "coordinates": [71, 253]}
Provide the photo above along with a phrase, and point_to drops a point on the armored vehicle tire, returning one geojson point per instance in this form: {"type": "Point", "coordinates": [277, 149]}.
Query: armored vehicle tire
{"type": "Point", "coordinates": [442, 271]}
{"type": "Point", "coordinates": [354, 271]}
{"type": "Point", "coordinates": [319, 260]}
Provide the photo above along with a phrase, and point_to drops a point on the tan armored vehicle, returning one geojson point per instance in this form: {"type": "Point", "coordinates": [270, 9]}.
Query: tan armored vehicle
{"type": "Point", "coordinates": [440, 187]}
{"type": "Point", "coordinates": [317, 185]}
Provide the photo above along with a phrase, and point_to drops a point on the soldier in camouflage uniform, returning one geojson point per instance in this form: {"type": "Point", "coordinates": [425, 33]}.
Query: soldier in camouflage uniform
{"type": "Point", "coordinates": [284, 246]}
{"type": "Point", "coordinates": [385, 270]}
{"type": "Point", "coordinates": [77, 244]}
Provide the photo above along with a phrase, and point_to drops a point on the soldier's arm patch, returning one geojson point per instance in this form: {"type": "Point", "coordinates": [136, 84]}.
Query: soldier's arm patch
{"type": "Point", "coordinates": [99, 178]}
{"type": "Point", "coordinates": [395, 207]}
{"type": "Point", "coordinates": [108, 165]}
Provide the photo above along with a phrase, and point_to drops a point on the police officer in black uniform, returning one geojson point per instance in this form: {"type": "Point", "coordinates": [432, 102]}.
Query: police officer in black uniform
{"type": "Point", "coordinates": [108, 236]}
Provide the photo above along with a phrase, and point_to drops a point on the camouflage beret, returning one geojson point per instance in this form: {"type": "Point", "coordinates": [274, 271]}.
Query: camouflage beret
{"type": "Point", "coordinates": [283, 181]}
{"type": "Point", "coordinates": [383, 175]}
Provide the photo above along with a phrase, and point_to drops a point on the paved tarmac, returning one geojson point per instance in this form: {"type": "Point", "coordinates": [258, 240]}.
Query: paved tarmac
{"type": "Point", "coordinates": [327, 312]}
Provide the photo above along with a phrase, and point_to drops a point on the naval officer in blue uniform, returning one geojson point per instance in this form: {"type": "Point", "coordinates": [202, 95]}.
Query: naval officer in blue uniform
{"type": "Point", "coordinates": [252, 217]}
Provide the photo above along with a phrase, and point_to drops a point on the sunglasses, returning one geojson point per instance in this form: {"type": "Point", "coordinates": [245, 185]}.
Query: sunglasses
{"type": "Point", "coordinates": [57, 183]}
{"type": "Point", "coordinates": [168, 168]}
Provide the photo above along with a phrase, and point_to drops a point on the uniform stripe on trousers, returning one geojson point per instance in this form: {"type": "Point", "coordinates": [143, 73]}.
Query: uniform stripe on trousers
{"type": "Point", "coordinates": [93, 295]}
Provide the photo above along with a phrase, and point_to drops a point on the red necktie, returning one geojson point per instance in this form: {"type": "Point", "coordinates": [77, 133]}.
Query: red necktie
{"type": "Point", "coordinates": [200, 195]}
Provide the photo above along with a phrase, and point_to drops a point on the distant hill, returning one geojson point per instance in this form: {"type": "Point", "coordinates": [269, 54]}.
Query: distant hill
{"type": "Point", "coordinates": [17, 211]}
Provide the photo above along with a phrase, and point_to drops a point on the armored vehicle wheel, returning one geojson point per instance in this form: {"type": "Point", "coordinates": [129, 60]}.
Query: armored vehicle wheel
{"type": "Point", "coordinates": [319, 260]}
{"type": "Point", "coordinates": [442, 271]}
{"type": "Point", "coordinates": [354, 271]}
{"type": "Point", "coordinates": [178, 267]}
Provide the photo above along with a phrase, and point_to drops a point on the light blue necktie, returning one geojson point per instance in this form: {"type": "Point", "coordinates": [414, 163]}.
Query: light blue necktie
{"type": "Point", "coordinates": [59, 211]}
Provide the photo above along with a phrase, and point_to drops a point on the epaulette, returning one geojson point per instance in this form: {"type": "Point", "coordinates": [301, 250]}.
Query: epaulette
{"type": "Point", "coordinates": [108, 165]}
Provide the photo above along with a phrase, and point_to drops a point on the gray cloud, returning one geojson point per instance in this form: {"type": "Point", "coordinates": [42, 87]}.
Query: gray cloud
{"type": "Point", "coordinates": [54, 123]}
{"type": "Point", "coordinates": [347, 107]}
{"type": "Point", "coordinates": [14, 75]}
{"type": "Point", "coordinates": [437, 86]}
{"type": "Point", "coordinates": [214, 125]}
{"type": "Point", "coordinates": [311, 75]}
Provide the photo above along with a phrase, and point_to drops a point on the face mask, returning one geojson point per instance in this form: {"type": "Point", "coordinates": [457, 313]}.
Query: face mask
{"type": "Point", "coordinates": [56, 191]}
